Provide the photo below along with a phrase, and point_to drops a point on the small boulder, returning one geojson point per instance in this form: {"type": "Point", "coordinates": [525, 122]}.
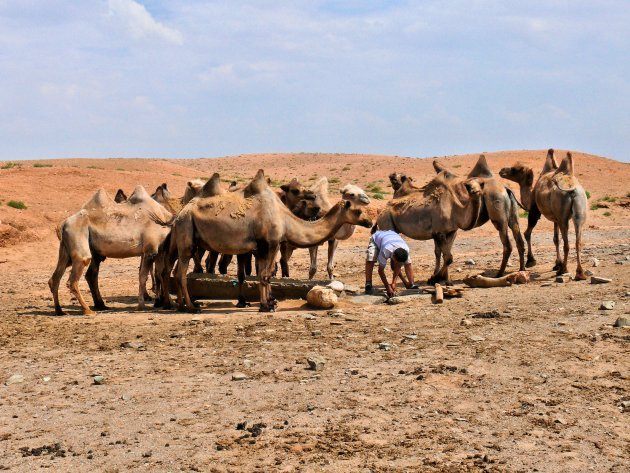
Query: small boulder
{"type": "Point", "coordinates": [563, 278]}
{"type": "Point", "coordinates": [385, 346]}
{"type": "Point", "coordinates": [336, 286]}
{"type": "Point", "coordinates": [622, 322]}
{"type": "Point", "coordinates": [14, 379]}
{"type": "Point", "coordinates": [98, 379]}
{"type": "Point", "coordinates": [470, 262]}
{"type": "Point", "coordinates": [315, 363]}
{"type": "Point", "coordinates": [607, 305]}
{"type": "Point", "coordinates": [594, 262]}
{"type": "Point", "coordinates": [321, 297]}
{"type": "Point", "coordinates": [239, 376]}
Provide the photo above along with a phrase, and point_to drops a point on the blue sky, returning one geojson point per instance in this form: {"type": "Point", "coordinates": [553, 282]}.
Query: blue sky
{"type": "Point", "coordinates": [193, 78]}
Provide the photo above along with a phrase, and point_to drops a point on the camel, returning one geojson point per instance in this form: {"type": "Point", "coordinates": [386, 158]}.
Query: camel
{"type": "Point", "coordinates": [500, 207]}
{"type": "Point", "coordinates": [558, 196]}
{"type": "Point", "coordinates": [310, 203]}
{"type": "Point", "coordinates": [243, 221]}
{"type": "Point", "coordinates": [105, 229]}
{"type": "Point", "coordinates": [435, 211]}
{"type": "Point", "coordinates": [175, 204]}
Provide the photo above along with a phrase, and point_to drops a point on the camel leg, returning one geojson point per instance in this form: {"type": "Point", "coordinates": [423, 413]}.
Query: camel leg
{"type": "Point", "coordinates": [182, 267]}
{"type": "Point", "coordinates": [224, 262]}
{"type": "Point", "coordinates": [197, 258]}
{"type": "Point", "coordinates": [266, 260]}
{"type": "Point", "coordinates": [78, 266]}
{"type": "Point", "coordinates": [285, 254]}
{"type": "Point", "coordinates": [520, 244]}
{"type": "Point", "coordinates": [312, 251]}
{"type": "Point", "coordinates": [437, 242]}
{"type": "Point", "coordinates": [211, 262]}
{"type": "Point", "coordinates": [532, 219]}
{"type": "Point", "coordinates": [146, 263]}
{"type": "Point", "coordinates": [242, 261]}
{"type": "Point", "coordinates": [579, 272]}
{"type": "Point", "coordinates": [556, 242]}
{"type": "Point", "coordinates": [248, 263]}
{"type": "Point", "coordinates": [91, 276]}
{"type": "Point", "coordinates": [332, 248]}
{"type": "Point", "coordinates": [145, 293]}
{"type": "Point", "coordinates": [507, 249]}
{"type": "Point", "coordinates": [564, 229]}
{"type": "Point", "coordinates": [53, 283]}
{"type": "Point", "coordinates": [446, 244]}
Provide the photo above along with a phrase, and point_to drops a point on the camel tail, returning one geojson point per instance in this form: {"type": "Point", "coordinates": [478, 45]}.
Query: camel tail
{"type": "Point", "coordinates": [58, 231]}
{"type": "Point", "coordinates": [158, 220]}
{"type": "Point", "coordinates": [513, 198]}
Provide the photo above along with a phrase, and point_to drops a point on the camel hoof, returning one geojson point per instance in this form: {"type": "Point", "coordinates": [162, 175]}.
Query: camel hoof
{"type": "Point", "coordinates": [580, 277]}
{"type": "Point", "coordinates": [196, 304]}
{"type": "Point", "coordinates": [89, 313]}
{"type": "Point", "coordinates": [101, 307]}
{"type": "Point", "coordinates": [530, 263]}
{"type": "Point", "coordinates": [557, 267]}
{"type": "Point", "coordinates": [147, 298]}
{"type": "Point", "coordinates": [242, 305]}
{"type": "Point", "coordinates": [60, 312]}
{"type": "Point", "coordinates": [266, 309]}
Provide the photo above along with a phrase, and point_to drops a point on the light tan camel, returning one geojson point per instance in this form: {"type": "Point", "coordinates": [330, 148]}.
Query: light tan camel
{"type": "Point", "coordinates": [436, 211]}
{"type": "Point", "coordinates": [105, 229]}
{"type": "Point", "coordinates": [175, 204]}
{"type": "Point", "coordinates": [500, 207]}
{"type": "Point", "coordinates": [558, 196]}
{"type": "Point", "coordinates": [310, 203]}
{"type": "Point", "coordinates": [254, 219]}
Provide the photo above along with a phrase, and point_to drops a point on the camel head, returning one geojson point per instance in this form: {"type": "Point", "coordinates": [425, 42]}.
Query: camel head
{"type": "Point", "coordinates": [120, 197]}
{"type": "Point", "coordinates": [518, 173]}
{"type": "Point", "coordinates": [354, 214]}
{"type": "Point", "coordinates": [161, 194]}
{"type": "Point", "coordinates": [354, 194]}
{"type": "Point", "coordinates": [293, 195]}
{"type": "Point", "coordinates": [396, 180]}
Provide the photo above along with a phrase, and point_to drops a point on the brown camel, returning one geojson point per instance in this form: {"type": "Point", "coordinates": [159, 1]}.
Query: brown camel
{"type": "Point", "coordinates": [254, 219]}
{"type": "Point", "coordinates": [436, 211]}
{"type": "Point", "coordinates": [104, 229]}
{"type": "Point", "coordinates": [500, 207]}
{"type": "Point", "coordinates": [558, 196]}
{"type": "Point", "coordinates": [309, 204]}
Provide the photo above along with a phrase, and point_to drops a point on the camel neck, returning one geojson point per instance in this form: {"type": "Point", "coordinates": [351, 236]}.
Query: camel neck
{"type": "Point", "coordinates": [526, 196]}
{"type": "Point", "coordinates": [303, 234]}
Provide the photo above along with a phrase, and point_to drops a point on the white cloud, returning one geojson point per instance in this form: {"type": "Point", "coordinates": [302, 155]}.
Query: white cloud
{"type": "Point", "coordinates": [140, 23]}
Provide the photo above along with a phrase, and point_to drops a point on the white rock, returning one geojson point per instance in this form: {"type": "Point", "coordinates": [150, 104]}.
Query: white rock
{"type": "Point", "coordinates": [15, 379]}
{"type": "Point", "coordinates": [336, 286]}
{"type": "Point", "coordinates": [321, 297]}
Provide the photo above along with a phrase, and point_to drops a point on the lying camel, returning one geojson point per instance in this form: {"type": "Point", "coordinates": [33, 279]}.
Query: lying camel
{"type": "Point", "coordinates": [435, 211]}
{"type": "Point", "coordinates": [558, 196]}
{"type": "Point", "coordinates": [254, 219]}
{"type": "Point", "coordinates": [309, 204]}
{"type": "Point", "coordinates": [105, 229]}
{"type": "Point", "coordinates": [500, 207]}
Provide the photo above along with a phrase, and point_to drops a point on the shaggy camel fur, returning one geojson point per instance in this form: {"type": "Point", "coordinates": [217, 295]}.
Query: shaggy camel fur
{"type": "Point", "coordinates": [254, 219]}
{"type": "Point", "coordinates": [558, 196]}
{"type": "Point", "coordinates": [310, 203]}
{"type": "Point", "coordinates": [104, 229]}
{"type": "Point", "coordinates": [435, 211]}
{"type": "Point", "coordinates": [500, 207]}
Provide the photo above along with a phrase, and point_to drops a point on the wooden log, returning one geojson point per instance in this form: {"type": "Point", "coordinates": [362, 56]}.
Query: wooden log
{"type": "Point", "coordinates": [438, 298]}
{"type": "Point", "coordinates": [520, 277]}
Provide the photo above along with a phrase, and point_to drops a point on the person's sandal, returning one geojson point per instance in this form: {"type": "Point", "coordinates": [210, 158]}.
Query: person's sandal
{"type": "Point", "coordinates": [369, 289]}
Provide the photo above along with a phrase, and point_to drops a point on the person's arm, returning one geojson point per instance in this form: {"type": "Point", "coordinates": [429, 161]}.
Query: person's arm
{"type": "Point", "coordinates": [381, 273]}
{"type": "Point", "coordinates": [397, 272]}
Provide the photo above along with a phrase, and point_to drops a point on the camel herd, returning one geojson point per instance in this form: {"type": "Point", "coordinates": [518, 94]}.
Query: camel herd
{"type": "Point", "coordinates": [261, 222]}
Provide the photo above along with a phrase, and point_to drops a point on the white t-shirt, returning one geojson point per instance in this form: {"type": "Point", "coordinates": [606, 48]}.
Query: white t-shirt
{"type": "Point", "coordinates": [387, 241]}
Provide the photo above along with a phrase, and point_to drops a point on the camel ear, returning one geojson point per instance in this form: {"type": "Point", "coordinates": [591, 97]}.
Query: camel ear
{"type": "Point", "coordinates": [529, 178]}
{"type": "Point", "coordinates": [403, 178]}
{"type": "Point", "coordinates": [285, 187]}
{"type": "Point", "coordinates": [164, 186]}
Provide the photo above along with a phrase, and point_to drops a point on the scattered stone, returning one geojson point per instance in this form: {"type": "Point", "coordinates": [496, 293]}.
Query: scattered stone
{"type": "Point", "coordinates": [385, 346]}
{"type": "Point", "coordinates": [470, 262]}
{"type": "Point", "coordinates": [134, 345]}
{"type": "Point", "coordinates": [349, 289]}
{"type": "Point", "coordinates": [238, 376]}
{"type": "Point", "coordinates": [545, 284]}
{"type": "Point", "coordinates": [621, 322]}
{"type": "Point", "coordinates": [354, 371]}
{"type": "Point", "coordinates": [600, 280]}
{"type": "Point", "coordinates": [309, 316]}
{"type": "Point", "coordinates": [322, 297]}
{"type": "Point", "coordinates": [476, 338]}
{"type": "Point", "coordinates": [336, 322]}
{"type": "Point", "coordinates": [98, 379]}
{"type": "Point", "coordinates": [45, 379]}
{"type": "Point", "coordinates": [452, 345]}
{"type": "Point", "coordinates": [248, 363]}
{"type": "Point", "coordinates": [607, 305]}
{"type": "Point", "coordinates": [147, 454]}
{"type": "Point", "coordinates": [410, 336]}
{"type": "Point", "coordinates": [316, 333]}
{"type": "Point", "coordinates": [588, 272]}
{"type": "Point", "coordinates": [594, 262]}
{"type": "Point", "coordinates": [336, 286]}
{"type": "Point", "coordinates": [466, 322]}
{"type": "Point", "coordinates": [315, 363]}
{"type": "Point", "coordinates": [335, 313]}
{"type": "Point", "coordinates": [492, 314]}
{"type": "Point", "coordinates": [368, 299]}
{"type": "Point", "coordinates": [14, 379]}
{"type": "Point", "coordinates": [627, 294]}
{"type": "Point", "coordinates": [563, 278]}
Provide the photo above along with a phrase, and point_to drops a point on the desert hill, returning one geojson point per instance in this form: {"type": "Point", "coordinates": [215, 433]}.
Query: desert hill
{"type": "Point", "coordinates": [53, 189]}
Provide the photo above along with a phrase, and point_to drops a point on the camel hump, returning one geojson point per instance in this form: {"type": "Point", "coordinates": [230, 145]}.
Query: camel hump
{"type": "Point", "coordinates": [100, 199]}
{"type": "Point", "coordinates": [321, 186]}
{"type": "Point", "coordinates": [438, 167]}
{"type": "Point", "coordinates": [138, 195]}
{"type": "Point", "coordinates": [212, 187]}
{"type": "Point", "coordinates": [566, 166]}
{"type": "Point", "coordinates": [258, 184]}
{"type": "Point", "coordinates": [550, 162]}
{"type": "Point", "coordinates": [481, 169]}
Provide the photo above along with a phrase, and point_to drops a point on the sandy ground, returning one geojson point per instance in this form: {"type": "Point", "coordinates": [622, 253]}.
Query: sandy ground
{"type": "Point", "coordinates": [538, 387]}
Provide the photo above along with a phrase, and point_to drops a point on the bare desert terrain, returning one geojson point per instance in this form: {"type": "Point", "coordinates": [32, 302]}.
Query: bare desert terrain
{"type": "Point", "coordinates": [525, 378]}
